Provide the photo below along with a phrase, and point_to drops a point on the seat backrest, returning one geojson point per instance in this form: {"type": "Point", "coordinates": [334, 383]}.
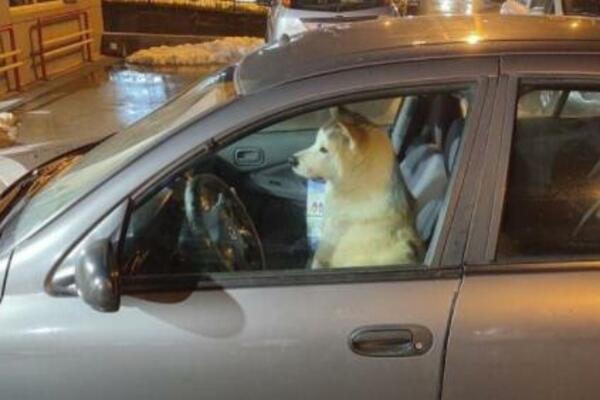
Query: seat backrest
{"type": "Point", "coordinates": [452, 144]}
{"type": "Point", "coordinates": [406, 120]}
{"type": "Point", "coordinates": [430, 152]}
{"type": "Point", "coordinates": [423, 119]}
{"type": "Point", "coordinates": [424, 173]}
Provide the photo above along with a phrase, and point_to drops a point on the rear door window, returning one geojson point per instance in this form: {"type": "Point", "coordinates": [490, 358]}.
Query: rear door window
{"type": "Point", "coordinates": [552, 202]}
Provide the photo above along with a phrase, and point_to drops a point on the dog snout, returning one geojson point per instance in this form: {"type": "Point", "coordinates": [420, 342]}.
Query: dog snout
{"type": "Point", "coordinates": [293, 160]}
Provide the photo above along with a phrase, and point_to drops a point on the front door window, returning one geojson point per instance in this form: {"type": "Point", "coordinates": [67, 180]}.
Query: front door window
{"type": "Point", "coordinates": [354, 185]}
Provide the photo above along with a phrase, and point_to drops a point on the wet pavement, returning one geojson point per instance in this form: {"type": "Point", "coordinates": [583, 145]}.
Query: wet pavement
{"type": "Point", "coordinates": [99, 103]}
{"type": "Point", "coordinates": [85, 108]}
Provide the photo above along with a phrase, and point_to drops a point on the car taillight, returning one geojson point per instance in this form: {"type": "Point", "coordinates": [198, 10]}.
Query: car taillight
{"type": "Point", "coordinates": [286, 3]}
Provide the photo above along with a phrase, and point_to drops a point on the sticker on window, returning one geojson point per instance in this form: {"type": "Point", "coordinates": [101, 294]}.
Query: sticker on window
{"type": "Point", "coordinates": [315, 205]}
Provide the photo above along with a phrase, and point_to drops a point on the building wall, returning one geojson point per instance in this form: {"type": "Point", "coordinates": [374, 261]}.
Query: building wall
{"type": "Point", "coordinates": [24, 21]}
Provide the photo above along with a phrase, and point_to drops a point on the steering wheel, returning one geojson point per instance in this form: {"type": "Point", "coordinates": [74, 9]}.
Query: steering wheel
{"type": "Point", "coordinates": [215, 213]}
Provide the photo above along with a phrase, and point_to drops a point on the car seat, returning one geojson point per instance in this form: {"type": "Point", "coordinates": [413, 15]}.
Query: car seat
{"type": "Point", "coordinates": [430, 153]}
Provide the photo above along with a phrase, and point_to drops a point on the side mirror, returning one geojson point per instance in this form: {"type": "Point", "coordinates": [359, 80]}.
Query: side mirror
{"type": "Point", "coordinates": [97, 276]}
{"type": "Point", "coordinates": [90, 269]}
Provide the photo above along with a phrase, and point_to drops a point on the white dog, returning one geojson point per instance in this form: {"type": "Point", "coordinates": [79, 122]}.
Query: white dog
{"type": "Point", "coordinates": [368, 219]}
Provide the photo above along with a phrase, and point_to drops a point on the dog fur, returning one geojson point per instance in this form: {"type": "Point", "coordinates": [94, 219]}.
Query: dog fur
{"type": "Point", "coordinates": [368, 219]}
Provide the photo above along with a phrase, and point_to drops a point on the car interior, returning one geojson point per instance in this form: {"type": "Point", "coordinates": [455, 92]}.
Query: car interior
{"type": "Point", "coordinates": [165, 236]}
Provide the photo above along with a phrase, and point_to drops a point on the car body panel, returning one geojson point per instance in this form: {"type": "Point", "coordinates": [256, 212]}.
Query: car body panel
{"type": "Point", "coordinates": [525, 335]}
{"type": "Point", "coordinates": [17, 160]}
{"type": "Point", "coordinates": [286, 342]}
{"type": "Point", "coordinates": [523, 329]}
{"type": "Point", "coordinates": [400, 39]}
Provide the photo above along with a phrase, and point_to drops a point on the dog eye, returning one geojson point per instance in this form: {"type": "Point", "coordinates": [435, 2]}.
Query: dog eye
{"type": "Point", "coordinates": [323, 150]}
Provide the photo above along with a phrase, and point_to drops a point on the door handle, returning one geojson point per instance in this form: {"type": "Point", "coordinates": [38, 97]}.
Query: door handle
{"type": "Point", "coordinates": [248, 156]}
{"type": "Point", "coordinates": [390, 340]}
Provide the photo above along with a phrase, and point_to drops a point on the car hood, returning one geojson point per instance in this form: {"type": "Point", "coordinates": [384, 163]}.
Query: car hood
{"type": "Point", "coordinates": [17, 160]}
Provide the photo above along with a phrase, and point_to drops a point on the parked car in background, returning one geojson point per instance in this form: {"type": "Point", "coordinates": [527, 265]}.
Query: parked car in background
{"type": "Point", "coordinates": [172, 260]}
{"type": "Point", "coordinates": [290, 17]}
{"type": "Point", "coordinates": [552, 7]}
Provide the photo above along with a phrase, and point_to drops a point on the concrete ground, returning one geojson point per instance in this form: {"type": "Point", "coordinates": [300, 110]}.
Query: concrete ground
{"type": "Point", "coordinates": [101, 102]}
{"type": "Point", "coordinates": [85, 106]}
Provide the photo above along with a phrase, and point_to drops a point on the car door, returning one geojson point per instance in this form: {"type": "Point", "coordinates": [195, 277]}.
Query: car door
{"type": "Point", "coordinates": [290, 331]}
{"type": "Point", "coordinates": [350, 333]}
{"type": "Point", "coordinates": [526, 323]}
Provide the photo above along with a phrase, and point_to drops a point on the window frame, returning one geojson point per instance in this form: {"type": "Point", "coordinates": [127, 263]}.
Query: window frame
{"type": "Point", "coordinates": [484, 235]}
{"type": "Point", "coordinates": [434, 270]}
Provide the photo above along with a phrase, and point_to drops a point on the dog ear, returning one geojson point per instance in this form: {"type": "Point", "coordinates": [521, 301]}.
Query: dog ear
{"type": "Point", "coordinates": [350, 125]}
{"type": "Point", "coordinates": [351, 117]}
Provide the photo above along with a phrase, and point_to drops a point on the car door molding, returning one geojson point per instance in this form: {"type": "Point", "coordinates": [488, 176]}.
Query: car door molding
{"type": "Point", "coordinates": [478, 235]}
{"type": "Point", "coordinates": [282, 278]}
{"type": "Point", "coordinates": [533, 266]}
{"type": "Point", "coordinates": [468, 179]}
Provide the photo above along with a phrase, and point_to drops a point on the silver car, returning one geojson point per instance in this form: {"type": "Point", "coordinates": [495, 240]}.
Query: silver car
{"type": "Point", "coordinates": [290, 17]}
{"type": "Point", "coordinates": [172, 260]}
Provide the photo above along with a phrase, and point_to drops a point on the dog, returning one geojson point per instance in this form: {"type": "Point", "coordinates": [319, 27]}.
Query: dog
{"type": "Point", "coordinates": [9, 128]}
{"type": "Point", "coordinates": [368, 218]}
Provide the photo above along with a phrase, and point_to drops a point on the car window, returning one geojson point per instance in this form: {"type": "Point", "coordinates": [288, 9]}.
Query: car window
{"type": "Point", "coordinates": [559, 103]}
{"type": "Point", "coordinates": [552, 203]}
{"type": "Point", "coordinates": [581, 7]}
{"type": "Point", "coordinates": [353, 185]}
{"type": "Point", "coordinates": [580, 104]}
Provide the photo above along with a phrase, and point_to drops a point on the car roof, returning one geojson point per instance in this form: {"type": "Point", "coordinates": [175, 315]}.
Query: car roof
{"type": "Point", "coordinates": [344, 46]}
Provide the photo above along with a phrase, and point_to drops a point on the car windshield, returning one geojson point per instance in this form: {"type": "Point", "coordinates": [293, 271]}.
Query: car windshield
{"type": "Point", "coordinates": [336, 5]}
{"type": "Point", "coordinates": [581, 7]}
{"type": "Point", "coordinates": [84, 173]}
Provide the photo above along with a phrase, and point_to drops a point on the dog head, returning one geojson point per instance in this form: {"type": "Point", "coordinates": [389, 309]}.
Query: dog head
{"type": "Point", "coordinates": [336, 149]}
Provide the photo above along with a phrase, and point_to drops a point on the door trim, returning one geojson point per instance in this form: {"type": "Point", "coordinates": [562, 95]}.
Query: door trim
{"type": "Point", "coordinates": [219, 281]}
